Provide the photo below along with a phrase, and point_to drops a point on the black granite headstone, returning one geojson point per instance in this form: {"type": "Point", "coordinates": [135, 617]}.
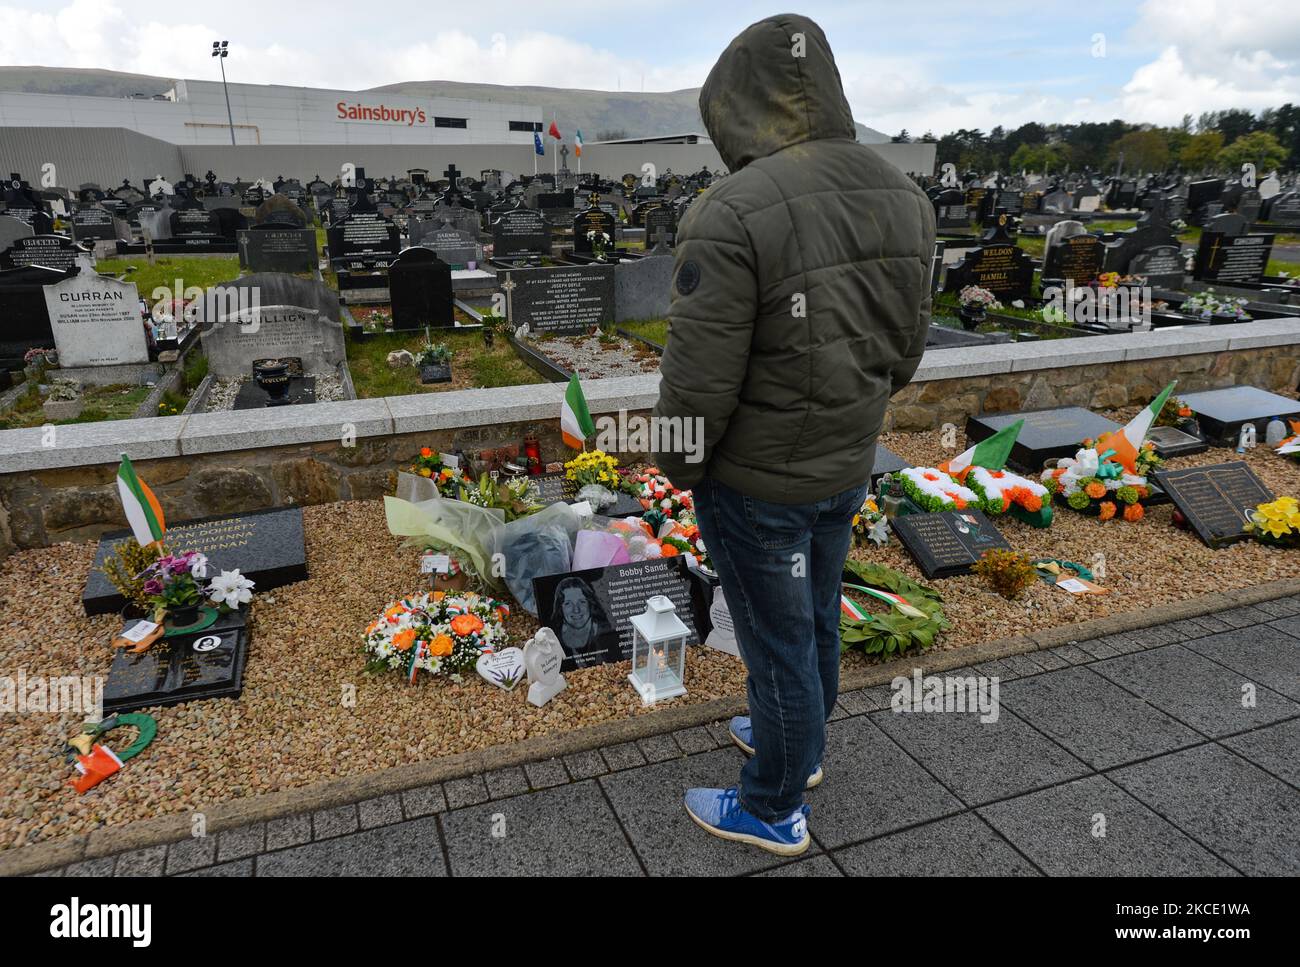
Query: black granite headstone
{"type": "Point", "coordinates": [271, 248]}
{"type": "Point", "coordinates": [420, 287]}
{"type": "Point", "coordinates": [949, 542]}
{"type": "Point", "coordinates": [997, 264]}
{"type": "Point", "coordinates": [183, 668]}
{"type": "Point", "coordinates": [590, 611]}
{"type": "Point", "coordinates": [1047, 434]}
{"type": "Point", "coordinates": [1232, 258]}
{"type": "Point", "coordinates": [266, 546]}
{"type": "Point", "coordinates": [520, 232]}
{"type": "Point", "coordinates": [1222, 412]}
{"type": "Point", "coordinates": [1216, 499]}
{"type": "Point", "coordinates": [887, 461]}
{"type": "Point", "coordinates": [1077, 259]}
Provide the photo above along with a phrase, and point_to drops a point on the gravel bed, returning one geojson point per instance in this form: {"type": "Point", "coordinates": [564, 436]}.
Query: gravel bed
{"type": "Point", "coordinates": [291, 727]}
{"type": "Point", "coordinates": [225, 388]}
{"type": "Point", "coordinates": [593, 359]}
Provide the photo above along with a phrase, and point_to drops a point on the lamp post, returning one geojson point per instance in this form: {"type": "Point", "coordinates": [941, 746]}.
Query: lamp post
{"type": "Point", "coordinates": [221, 50]}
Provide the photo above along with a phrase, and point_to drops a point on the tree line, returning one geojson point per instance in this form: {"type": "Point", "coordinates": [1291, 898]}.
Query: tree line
{"type": "Point", "coordinates": [1217, 141]}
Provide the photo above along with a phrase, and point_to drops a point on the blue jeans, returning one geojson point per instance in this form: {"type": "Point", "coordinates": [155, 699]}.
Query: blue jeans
{"type": "Point", "coordinates": [781, 567]}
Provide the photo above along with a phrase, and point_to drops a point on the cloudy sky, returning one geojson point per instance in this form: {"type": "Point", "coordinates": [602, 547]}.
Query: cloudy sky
{"type": "Point", "coordinates": [921, 66]}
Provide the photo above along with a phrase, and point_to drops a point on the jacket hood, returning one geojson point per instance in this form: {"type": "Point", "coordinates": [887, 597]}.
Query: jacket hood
{"type": "Point", "coordinates": [775, 85]}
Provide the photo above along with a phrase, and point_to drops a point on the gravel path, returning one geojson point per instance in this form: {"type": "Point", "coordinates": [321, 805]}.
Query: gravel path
{"type": "Point", "coordinates": [291, 727]}
{"type": "Point", "coordinates": [593, 359]}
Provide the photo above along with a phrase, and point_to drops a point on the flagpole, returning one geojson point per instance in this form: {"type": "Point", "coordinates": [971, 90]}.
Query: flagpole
{"type": "Point", "coordinates": [555, 156]}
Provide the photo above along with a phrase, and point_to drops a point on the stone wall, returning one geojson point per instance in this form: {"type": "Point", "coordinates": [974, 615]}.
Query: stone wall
{"type": "Point", "coordinates": [221, 463]}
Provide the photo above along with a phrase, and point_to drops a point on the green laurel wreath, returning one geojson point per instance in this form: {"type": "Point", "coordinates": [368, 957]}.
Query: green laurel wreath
{"type": "Point", "coordinates": [892, 633]}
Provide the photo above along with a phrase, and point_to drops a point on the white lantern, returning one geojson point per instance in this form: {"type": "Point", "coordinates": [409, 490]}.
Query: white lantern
{"type": "Point", "coordinates": [658, 651]}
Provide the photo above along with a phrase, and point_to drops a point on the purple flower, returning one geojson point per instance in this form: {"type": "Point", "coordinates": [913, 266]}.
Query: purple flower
{"type": "Point", "coordinates": [153, 587]}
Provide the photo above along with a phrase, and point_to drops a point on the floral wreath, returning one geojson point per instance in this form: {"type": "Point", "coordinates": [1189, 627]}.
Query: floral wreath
{"type": "Point", "coordinates": [655, 491]}
{"type": "Point", "coordinates": [914, 619]}
{"type": "Point", "coordinates": [1094, 482]}
{"type": "Point", "coordinates": [435, 632]}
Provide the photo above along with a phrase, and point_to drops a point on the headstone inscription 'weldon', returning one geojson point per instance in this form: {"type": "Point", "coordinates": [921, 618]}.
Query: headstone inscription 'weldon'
{"type": "Point", "coordinates": [266, 546]}
{"type": "Point", "coordinates": [96, 321]}
{"type": "Point", "coordinates": [947, 543]}
{"type": "Point", "coordinates": [1216, 499]}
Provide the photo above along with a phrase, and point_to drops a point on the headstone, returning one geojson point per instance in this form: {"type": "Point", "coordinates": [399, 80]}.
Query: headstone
{"type": "Point", "coordinates": [96, 321]}
{"type": "Point", "coordinates": [1216, 500]}
{"type": "Point", "coordinates": [1077, 259]}
{"type": "Point", "coordinates": [290, 317]}
{"type": "Point", "coordinates": [590, 611]}
{"type": "Point", "coordinates": [564, 300]}
{"type": "Point", "coordinates": [266, 546]}
{"type": "Point", "coordinates": [12, 229]}
{"type": "Point", "coordinates": [270, 248]}
{"type": "Point", "coordinates": [1153, 238]}
{"type": "Point", "coordinates": [24, 319]}
{"type": "Point", "coordinates": [1170, 441]}
{"type": "Point", "coordinates": [660, 221]}
{"type": "Point", "coordinates": [453, 246]}
{"type": "Point", "coordinates": [520, 232]}
{"type": "Point", "coordinates": [56, 252]}
{"type": "Point", "coordinates": [420, 287]}
{"type": "Point", "coordinates": [947, 543]}
{"type": "Point", "coordinates": [1232, 258]}
{"type": "Point", "coordinates": [592, 221]}
{"type": "Point", "coordinates": [1047, 434]}
{"type": "Point", "coordinates": [543, 656]}
{"type": "Point", "coordinates": [1222, 412]}
{"type": "Point", "coordinates": [643, 288]}
{"type": "Point", "coordinates": [886, 461]}
{"type": "Point", "coordinates": [950, 209]}
{"type": "Point", "coordinates": [1283, 210]}
{"type": "Point", "coordinates": [363, 240]}
{"type": "Point", "coordinates": [91, 222]}
{"type": "Point", "coordinates": [183, 668]}
{"type": "Point", "coordinates": [997, 264]}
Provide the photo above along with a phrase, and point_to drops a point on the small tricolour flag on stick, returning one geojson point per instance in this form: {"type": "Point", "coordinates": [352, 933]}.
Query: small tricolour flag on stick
{"type": "Point", "coordinates": [575, 419]}
{"type": "Point", "coordinates": [991, 454]}
{"type": "Point", "coordinates": [143, 512]}
{"type": "Point", "coordinates": [1128, 440]}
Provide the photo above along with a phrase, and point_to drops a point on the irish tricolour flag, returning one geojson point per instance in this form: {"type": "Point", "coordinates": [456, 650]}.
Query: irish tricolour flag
{"type": "Point", "coordinates": [577, 143]}
{"type": "Point", "coordinates": [575, 419]}
{"type": "Point", "coordinates": [991, 454]}
{"type": "Point", "coordinates": [143, 512]}
{"type": "Point", "coordinates": [1128, 440]}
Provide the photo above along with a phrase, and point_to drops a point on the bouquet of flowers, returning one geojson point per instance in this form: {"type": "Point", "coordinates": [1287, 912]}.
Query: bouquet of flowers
{"type": "Point", "coordinates": [869, 524]}
{"type": "Point", "coordinates": [593, 467]}
{"type": "Point", "coordinates": [656, 491]}
{"type": "Point", "coordinates": [599, 241]}
{"type": "Point", "coordinates": [515, 495]}
{"type": "Point", "coordinates": [433, 355]}
{"type": "Point", "coordinates": [1276, 523]}
{"type": "Point", "coordinates": [998, 490]}
{"type": "Point", "coordinates": [435, 632]}
{"type": "Point", "coordinates": [172, 582]}
{"type": "Point", "coordinates": [448, 481]}
{"type": "Point", "coordinates": [975, 297]}
{"type": "Point", "coordinates": [1207, 305]}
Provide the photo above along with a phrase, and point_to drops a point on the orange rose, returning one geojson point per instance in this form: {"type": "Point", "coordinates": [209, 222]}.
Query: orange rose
{"type": "Point", "coordinates": [1107, 510]}
{"type": "Point", "coordinates": [1095, 490]}
{"type": "Point", "coordinates": [669, 551]}
{"type": "Point", "coordinates": [441, 646]}
{"type": "Point", "coordinates": [1133, 513]}
{"type": "Point", "coordinates": [404, 639]}
{"type": "Point", "coordinates": [425, 452]}
{"type": "Point", "coordinates": [466, 624]}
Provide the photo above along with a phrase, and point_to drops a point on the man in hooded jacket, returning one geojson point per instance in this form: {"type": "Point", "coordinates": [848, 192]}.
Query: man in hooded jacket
{"type": "Point", "coordinates": [800, 305]}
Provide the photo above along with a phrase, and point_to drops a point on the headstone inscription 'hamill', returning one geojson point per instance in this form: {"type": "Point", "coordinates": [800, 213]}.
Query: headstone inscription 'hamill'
{"type": "Point", "coordinates": [564, 301]}
{"type": "Point", "coordinates": [949, 542]}
{"type": "Point", "coordinates": [1047, 434]}
{"type": "Point", "coordinates": [266, 546]}
{"type": "Point", "coordinates": [997, 264]}
{"type": "Point", "coordinates": [1215, 500]}
{"type": "Point", "coordinates": [96, 321]}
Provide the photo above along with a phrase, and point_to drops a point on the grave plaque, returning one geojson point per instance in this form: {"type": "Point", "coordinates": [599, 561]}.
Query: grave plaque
{"type": "Point", "coordinates": [1232, 258]}
{"type": "Point", "coordinates": [182, 668]}
{"type": "Point", "coordinates": [564, 300]}
{"type": "Point", "coordinates": [947, 543]}
{"type": "Point", "coordinates": [1222, 412]}
{"type": "Point", "coordinates": [520, 232]}
{"type": "Point", "coordinates": [96, 321]}
{"type": "Point", "coordinates": [266, 546]}
{"type": "Point", "coordinates": [1047, 434]}
{"type": "Point", "coordinates": [1215, 499]}
{"type": "Point", "coordinates": [1170, 441]}
{"type": "Point", "coordinates": [590, 611]}
{"type": "Point", "coordinates": [271, 248]}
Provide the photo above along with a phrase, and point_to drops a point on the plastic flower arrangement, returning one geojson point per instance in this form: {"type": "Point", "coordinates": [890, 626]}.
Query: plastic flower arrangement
{"type": "Point", "coordinates": [172, 581]}
{"type": "Point", "coordinates": [431, 354]}
{"type": "Point", "coordinates": [1208, 305]}
{"type": "Point", "coordinates": [230, 589]}
{"type": "Point", "coordinates": [1092, 482]}
{"type": "Point", "coordinates": [448, 481]}
{"type": "Point", "coordinates": [975, 297]}
{"type": "Point", "coordinates": [437, 633]}
{"type": "Point", "coordinates": [657, 492]}
{"type": "Point", "coordinates": [933, 490]}
{"type": "Point", "coordinates": [593, 467]}
{"type": "Point", "coordinates": [1276, 523]}
{"type": "Point", "coordinates": [869, 524]}
{"type": "Point", "coordinates": [599, 241]}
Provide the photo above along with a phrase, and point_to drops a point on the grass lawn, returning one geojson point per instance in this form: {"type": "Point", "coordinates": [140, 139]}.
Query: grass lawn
{"type": "Point", "coordinates": [116, 402]}
{"type": "Point", "coordinates": [472, 364]}
{"type": "Point", "coordinates": [166, 269]}
{"type": "Point", "coordinates": [656, 330]}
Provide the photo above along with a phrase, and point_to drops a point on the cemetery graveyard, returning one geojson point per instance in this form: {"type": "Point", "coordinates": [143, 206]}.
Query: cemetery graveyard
{"type": "Point", "coordinates": [380, 288]}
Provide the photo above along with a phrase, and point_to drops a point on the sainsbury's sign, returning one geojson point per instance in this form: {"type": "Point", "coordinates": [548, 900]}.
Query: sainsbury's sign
{"type": "Point", "coordinates": [382, 113]}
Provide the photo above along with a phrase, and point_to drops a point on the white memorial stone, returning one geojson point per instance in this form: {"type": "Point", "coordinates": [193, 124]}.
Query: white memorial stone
{"type": "Point", "coordinates": [542, 658]}
{"type": "Point", "coordinates": [96, 321]}
{"type": "Point", "coordinates": [504, 668]}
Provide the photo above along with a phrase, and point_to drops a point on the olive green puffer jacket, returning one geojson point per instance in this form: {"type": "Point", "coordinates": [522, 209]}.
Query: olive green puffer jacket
{"type": "Point", "coordinates": [801, 292]}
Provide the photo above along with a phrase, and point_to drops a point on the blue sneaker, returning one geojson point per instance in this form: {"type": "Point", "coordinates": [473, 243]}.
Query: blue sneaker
{"type": "Point", "coordinates": [719, 812]}
{"type": "Point", "coordinates": [742, 733]}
